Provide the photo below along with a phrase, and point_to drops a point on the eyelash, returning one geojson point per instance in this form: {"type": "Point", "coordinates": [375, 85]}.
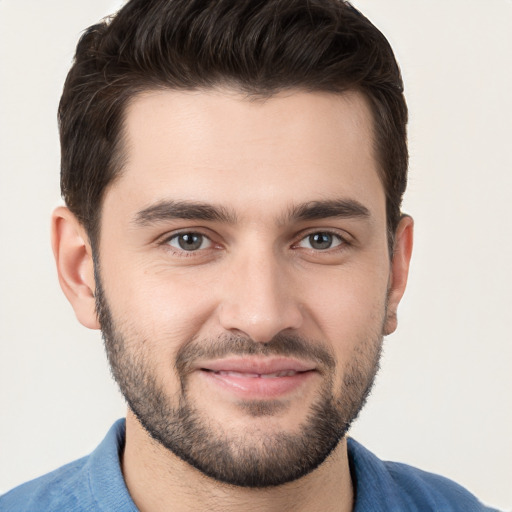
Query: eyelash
{"type": "Point", "coordinates": [341, 241]}
{"type": "Point", "coordinates": [342, 244]}
{"type": "Point", "coordinates": [183, 253]}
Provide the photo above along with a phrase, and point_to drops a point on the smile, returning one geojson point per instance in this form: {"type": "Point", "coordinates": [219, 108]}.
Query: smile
{"type": "Point", "coordinates": [285, 373]}
{"type": "Point", "coordinates": [256, 378]}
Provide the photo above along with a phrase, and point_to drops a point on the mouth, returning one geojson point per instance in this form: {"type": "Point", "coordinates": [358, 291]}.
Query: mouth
{"type": "Point", "coordinates": [284, 373]}
{"type": "Point", "coordinates": [257, 378]}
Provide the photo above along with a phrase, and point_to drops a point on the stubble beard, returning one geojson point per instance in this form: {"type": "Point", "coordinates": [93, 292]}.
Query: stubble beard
{"type": "Point", "coordinates": [250, 458]}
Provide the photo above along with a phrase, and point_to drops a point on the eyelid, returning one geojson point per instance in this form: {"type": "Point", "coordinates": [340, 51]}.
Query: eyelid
{"type": "Point", "coordinates": [345, 240]}
{"type": "Point", "coordinates": [204, 239]}
{"type": "Point", "coordinates": [165, 240]}
{"type": "Point", "coordinates": [337, 238]}
{"type": "Point", "coordinates": [343, 236]}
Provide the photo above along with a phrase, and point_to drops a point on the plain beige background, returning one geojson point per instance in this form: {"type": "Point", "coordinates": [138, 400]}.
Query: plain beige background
{"type": "Point", "coordinates": [443, 399]}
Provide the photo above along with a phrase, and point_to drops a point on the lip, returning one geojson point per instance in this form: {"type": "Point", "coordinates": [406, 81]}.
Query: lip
{"type": "Point", "coordinates": [257, 378]}
{"type": "Point", "coordinates": [257, 365]}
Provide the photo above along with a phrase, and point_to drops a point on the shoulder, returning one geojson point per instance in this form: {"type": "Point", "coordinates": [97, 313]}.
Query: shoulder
{"type": "Point", "coordinates": [436, 491]}
{"type": "Point", "coordinates": [65, 488]}
{"type": "Point", "coordinates": [92, 483]}
{"type": "Point", "coordinates": [394, 486]}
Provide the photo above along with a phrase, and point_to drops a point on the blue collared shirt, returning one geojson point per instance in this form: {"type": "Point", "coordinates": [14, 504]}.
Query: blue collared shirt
{"type": "Point", "coordinates": [95, 483]}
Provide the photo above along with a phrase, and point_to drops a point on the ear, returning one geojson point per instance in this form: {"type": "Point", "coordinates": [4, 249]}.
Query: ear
{"type": "Point", "coordinates": [399, 271]}
{"type": "Point", "coordinates": [73, 256]}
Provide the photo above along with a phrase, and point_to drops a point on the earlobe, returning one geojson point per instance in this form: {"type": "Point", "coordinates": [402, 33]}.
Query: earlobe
{"type": "Point", "coordinates": [75, 267]}
{"type": "Point", "coordinates": [399, 270]}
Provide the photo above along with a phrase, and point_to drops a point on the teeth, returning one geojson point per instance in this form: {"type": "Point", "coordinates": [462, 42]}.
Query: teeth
{"type": "Point", "coordinates": [284, 373]}
{"type": "Point", "coordinates": [238, 374]}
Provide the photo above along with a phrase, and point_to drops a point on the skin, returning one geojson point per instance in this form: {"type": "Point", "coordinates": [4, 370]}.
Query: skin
{"type": "Point", "coordinates": [257, 278]}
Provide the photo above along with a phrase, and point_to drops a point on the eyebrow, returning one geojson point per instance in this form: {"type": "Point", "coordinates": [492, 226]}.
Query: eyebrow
{"type": "Point", "coordinates": [340, 208]}
{"type": "Point", "coordinates": [313, 210]}
{"type": "Point", "coordinates": [170, 210]}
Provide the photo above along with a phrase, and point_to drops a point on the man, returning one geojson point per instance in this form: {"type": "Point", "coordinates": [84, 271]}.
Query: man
{"type": "Point", "coordinates": [233, 174]}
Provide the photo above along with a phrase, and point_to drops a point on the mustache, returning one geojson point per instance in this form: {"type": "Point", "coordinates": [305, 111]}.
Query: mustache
{"type": "Point", "coordinates": [232, 345]}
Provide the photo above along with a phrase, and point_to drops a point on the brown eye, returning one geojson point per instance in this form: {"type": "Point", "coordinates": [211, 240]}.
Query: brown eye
{"type": "Point", "coordinates": [190, 241]}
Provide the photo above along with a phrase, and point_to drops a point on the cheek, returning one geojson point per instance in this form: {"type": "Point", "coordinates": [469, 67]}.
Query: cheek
{"type": "Point", "coordinates": [159, 304]}
{"type": "Point", "coordinates": [352, 325]}
{"type": "Point", "coordinates": [349, 304]}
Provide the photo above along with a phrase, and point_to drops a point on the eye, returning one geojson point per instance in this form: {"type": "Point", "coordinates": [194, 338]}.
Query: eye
{"type": "Point", "coordinates": [321, 241]}
{"type": "Point", "coordinates": [190, 241]}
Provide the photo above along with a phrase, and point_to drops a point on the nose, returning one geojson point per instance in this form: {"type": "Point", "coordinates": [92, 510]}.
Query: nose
{"type": "Point", "coordinates": [259, 299]}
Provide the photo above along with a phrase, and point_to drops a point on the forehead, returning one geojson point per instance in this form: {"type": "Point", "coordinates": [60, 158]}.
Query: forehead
{"type": "Point", "coordinates": [218, 146]}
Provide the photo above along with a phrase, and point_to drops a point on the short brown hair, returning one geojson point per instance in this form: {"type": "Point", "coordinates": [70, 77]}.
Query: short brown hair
{"type": "Point", "coordinates": [259, 47]}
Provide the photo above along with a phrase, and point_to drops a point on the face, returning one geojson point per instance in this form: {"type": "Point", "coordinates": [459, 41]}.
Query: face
{"type": "Point", "coordinates": [243, 280]}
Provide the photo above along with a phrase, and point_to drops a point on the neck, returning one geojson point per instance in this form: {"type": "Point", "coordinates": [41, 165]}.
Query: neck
{"type": "Point", "coordinates": [158, 480]}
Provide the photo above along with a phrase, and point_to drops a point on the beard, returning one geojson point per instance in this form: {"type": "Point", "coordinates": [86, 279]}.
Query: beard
{"type": "Point", "coordinates": [252, 457]}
